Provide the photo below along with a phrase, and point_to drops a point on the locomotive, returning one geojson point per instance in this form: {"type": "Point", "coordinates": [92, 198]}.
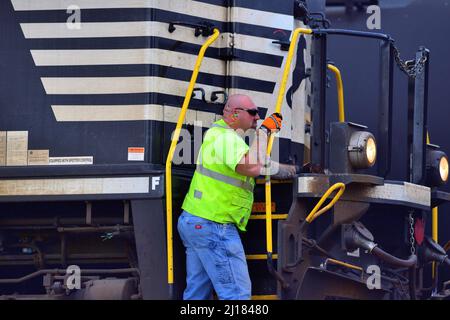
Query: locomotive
{"type": "Point", "coordinates": [102, 106]}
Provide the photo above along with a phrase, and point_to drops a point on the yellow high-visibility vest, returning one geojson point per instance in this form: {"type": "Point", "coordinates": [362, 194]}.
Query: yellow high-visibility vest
{"type": "Point", "coordinates": [217, 192]}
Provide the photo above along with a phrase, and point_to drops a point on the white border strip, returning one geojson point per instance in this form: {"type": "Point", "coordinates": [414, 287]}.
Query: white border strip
{"type": "Point", "coordinates": [406, 192]}
{"type": "Point", "coordinates": [39, 187]}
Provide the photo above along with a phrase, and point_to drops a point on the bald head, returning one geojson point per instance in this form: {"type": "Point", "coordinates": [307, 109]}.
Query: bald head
{"type": "Point", "coordinates": [235, 114]}
{"type": "Point", "coordinates": [238, 101]}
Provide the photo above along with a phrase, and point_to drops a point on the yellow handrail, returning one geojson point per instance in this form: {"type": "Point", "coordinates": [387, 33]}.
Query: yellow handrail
{"type": "Point", "coordinates": [315, 213]}
{"type": "Point", "coordinates": [175, 137]}
{"type": "Point", "coordinates": [268, 187]}
{"type": "Point", "coordinates": [340, 91]}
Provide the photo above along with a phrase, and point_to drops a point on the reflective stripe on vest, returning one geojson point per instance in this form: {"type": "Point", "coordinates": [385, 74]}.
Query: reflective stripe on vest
{"type": "Point", "coordinates": [215, 125]}
{"type": "Point", "coordinates": [246, 185]}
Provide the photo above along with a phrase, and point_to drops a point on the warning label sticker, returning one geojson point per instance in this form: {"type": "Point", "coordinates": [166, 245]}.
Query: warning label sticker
{"type": "Point", "coordinates": [136, 154]}
{"type": "Point", "coordinates": [38, 157]}
{"type": "Point", "coordinates": [61, 161]}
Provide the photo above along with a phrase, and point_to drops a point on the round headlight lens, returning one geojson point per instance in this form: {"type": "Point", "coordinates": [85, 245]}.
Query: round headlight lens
{"type": "Point", "coordinates": [443, 168]}
{"type": "Point", "coordinates": [437, 167]}
{"type": "Point", "coordinates": [371, 151]}
{"type": "Point", "coordinates": [362, 150]}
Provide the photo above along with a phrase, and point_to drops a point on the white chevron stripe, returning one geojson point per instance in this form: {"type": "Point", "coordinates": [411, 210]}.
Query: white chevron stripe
{"type": "Point", "coordinates": [188, 7]}
{"type": "Point", "coordinates": [117, 85]}
{"type": "Point", "coordinates": [150, 56]}
{"type": "Point", "coordinates": [123, 56]}
{"type": "Point", "coordinates": [91, 30]}
{"type": "Point", "coordinates": [144, 29]}
{"type": "Point", "coordinates": [125, 85]}
{"type": "Point", "coordinates": [86, 113]}
{"type": "Point", "coordinates": [130, 113]}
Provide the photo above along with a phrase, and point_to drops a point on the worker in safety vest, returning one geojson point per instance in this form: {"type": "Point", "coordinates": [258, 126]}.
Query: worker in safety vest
{"type": "Point", "coordinates": [220, 199]}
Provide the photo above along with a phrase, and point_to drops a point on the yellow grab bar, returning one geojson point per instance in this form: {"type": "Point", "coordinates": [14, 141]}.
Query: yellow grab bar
{"type": "Point", "coordinates": [284, 79]}
{"type": "Point", "coordinates": [340, 91]}
{"type": "Point", "coordinates": [315, 213]}
{"type": "Point", "coordinates": [344, 264]}
{"type": "Point", "coordinates": [175, 137]}
{"type": "Point", "coordinates": [434, 225]}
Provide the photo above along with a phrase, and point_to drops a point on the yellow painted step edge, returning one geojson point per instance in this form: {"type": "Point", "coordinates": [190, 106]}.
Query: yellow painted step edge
{"type": "Point", "coordinates": [263, 217]}
{"type": "Point", "coordinates": [265, 297]}
{"type": "Point", "coordinates": [259, 256]}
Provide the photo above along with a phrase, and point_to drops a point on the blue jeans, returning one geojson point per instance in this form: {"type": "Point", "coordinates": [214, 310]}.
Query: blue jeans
{"type": "Point", "coordinates": [215, 259]}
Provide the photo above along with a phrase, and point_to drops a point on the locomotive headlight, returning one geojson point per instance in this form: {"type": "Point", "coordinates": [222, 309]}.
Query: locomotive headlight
{"type": "Point", "coordinates": [371, 151]}
{"type": "Point", "coordinates": [443, 168]}
{"type": "Point", "coordinates": [362, 150]}
{"type": "Point", "coordinates": [437, 167]}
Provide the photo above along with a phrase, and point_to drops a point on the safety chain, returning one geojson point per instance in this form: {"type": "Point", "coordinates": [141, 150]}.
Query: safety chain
{"type": "Point", "coordinates": [410, 69]}
{"type": "Point", "coordinates": [412, 241]}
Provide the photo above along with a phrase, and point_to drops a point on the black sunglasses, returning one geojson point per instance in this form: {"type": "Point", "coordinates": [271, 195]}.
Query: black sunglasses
{"type": "Point", "coordinates": [252, 112]}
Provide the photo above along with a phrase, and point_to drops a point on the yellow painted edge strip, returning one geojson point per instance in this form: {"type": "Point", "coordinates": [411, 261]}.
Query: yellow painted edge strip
{"type": "Point", "coordinates": [263, 181]}
{"type": "Point", "coordinates": [263, 216]}
{"type": "Point", "coordinates": [434, 235]}
{"type": "Point", "coordinates": [176, 136]}
{"type": "Point", "coordinates": [265, 297]}
{"type": "Point", "coordinates": [435, 213]}
{"type": "Point", "coordinates": [434, 225]}
{"type": "Point", "coordinates": [259, 256]}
